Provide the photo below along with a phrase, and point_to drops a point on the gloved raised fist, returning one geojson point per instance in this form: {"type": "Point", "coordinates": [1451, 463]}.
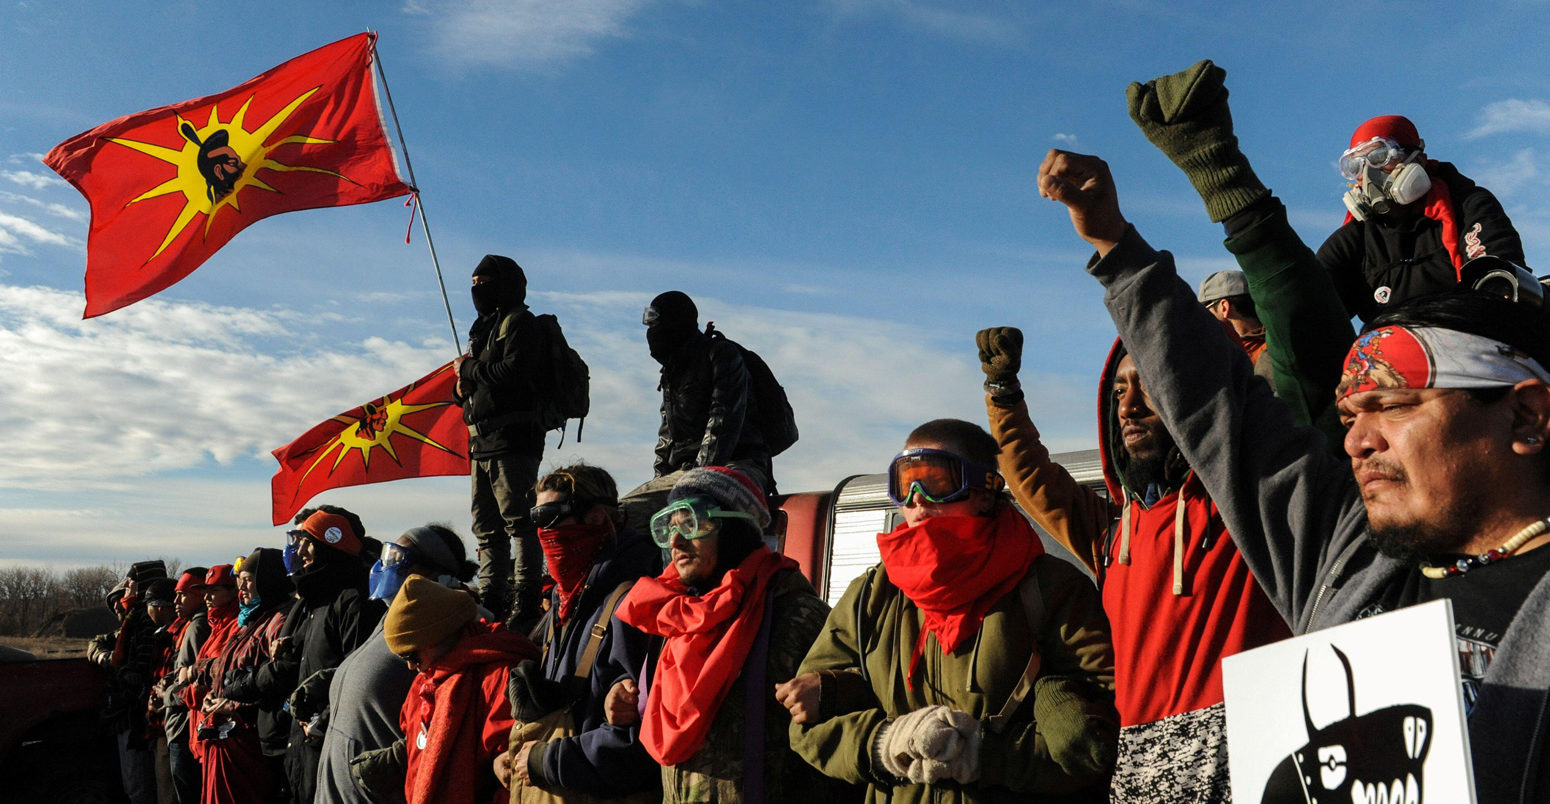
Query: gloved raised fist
{"type": "Point", "coordinates": [1001, 353]}
{"type": "Point", "coordinates": [1186, 116]}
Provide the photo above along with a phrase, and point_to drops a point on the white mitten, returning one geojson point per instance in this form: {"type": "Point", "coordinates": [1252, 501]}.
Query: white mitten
{"type": "Point", "coordinates": [965, 767]}
{"type": "Point", "coordinates": [931, 744]}
{"type": "Point", "coordinates": [897, 738]}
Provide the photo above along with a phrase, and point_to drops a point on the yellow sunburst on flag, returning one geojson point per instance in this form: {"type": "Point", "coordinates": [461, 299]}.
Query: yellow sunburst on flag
{"type": "Point", "coordinates": [373, 429]}
{"type": "Point", "coordinates": [218, 161]}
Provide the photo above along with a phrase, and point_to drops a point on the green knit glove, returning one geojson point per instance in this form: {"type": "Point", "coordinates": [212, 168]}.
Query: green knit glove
{"type": "Point", "coordinates": [1186, 116]}
{"type": "Point", "coordinates": [1081, 734]}
{"type": "Point", "coordinates": [1001, 355]}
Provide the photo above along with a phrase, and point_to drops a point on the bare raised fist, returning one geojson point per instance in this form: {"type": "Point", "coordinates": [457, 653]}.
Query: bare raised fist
{"type": "Point", "coordinates": [1084, 185]}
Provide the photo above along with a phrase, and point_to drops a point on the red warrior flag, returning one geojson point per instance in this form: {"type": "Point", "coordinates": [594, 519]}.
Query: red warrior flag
{"type": "Point", "coordinates": [416, 431]}
{"type": "Point", "coordinates": [170, 186]}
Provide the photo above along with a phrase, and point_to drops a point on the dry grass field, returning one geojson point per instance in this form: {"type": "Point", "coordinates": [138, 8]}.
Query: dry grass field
{"type": "Point", "coordinates": [47, 647]}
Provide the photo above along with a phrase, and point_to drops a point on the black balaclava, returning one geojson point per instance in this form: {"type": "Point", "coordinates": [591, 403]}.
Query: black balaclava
{"type": "Point", "coordinates": [677, 322]}
{"type": "Point", "coordinates": [507, 289]}
{"type": "Point", "coordinates": [268, 566]}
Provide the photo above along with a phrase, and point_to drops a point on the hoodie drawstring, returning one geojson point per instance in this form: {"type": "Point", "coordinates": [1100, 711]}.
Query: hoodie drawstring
{"type": "Point", "coordinates": [1124, 534]}
{"type": "Point", "coordinates": [1178, 545]}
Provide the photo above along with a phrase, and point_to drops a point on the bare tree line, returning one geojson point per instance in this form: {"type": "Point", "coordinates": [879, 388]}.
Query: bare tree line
{"type": "Point", "coordinates": [31, 596]}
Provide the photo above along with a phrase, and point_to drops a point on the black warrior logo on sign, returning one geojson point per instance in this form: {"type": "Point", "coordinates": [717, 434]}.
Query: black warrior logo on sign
{"type": "Point", "coordinates": [1374, 758]}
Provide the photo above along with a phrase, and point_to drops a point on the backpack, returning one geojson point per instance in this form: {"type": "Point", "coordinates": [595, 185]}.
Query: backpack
{"type": "Point", "coordinates": [774, 416]}
{"type": "Point", "coordinates": [564, 379]}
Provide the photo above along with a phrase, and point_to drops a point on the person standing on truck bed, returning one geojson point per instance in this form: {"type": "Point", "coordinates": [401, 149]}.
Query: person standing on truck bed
{"type": "Point", "coordinates": [710, 412]}
{"type": "Point", "coordinates": [499, 390]}
{"type": "Point", "coordinates": [919, 683]}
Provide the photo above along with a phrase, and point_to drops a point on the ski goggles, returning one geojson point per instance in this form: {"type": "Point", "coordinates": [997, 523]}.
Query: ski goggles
{"type": "Point", "coordinates": [691, 518]}
{"type": "Point", "coordinates": [548, 515]}
{"type": "Point", "coordinates": [937, 476]}
{"type": "Point", "coordinates": [1378, 152]}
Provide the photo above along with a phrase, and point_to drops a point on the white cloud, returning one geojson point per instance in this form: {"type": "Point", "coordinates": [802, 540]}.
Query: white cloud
{"type": "Point", "coordinates": [17, 232]}
{"type": "Point", "coordinates": [1067, 139]}
{"type": "Point", "coordinates": [33, 180]}
{"type": "Point", "coordinates": [1506, 178]}
{"type": "Point", "coordinates": [524, 33]}
{"type": "Point", "coordinates": [146, 432]}
{"type": "Point", "coordinates": [57, 210]}
{"type": "Point", "coordinates": [946, 20]}
{"type": "Point", "coordinates": [1512, 115]}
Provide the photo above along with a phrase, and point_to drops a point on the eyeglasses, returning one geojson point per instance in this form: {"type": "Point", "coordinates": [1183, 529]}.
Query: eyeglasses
{"type": "Point", "coordinates": [412, 657]}
{"type": "Point", "coordinates": [1379, 152]}
{"type": "Point", "coordinates": [548, 515]}
{"type": "Point", "coordinates": [692, 518]}
{"type": "Point", "coordinates": [937, 476]}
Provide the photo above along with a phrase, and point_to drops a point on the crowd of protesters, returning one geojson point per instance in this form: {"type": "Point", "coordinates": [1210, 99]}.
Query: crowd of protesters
{"type": "Point", "coordinates": [1264, 476]}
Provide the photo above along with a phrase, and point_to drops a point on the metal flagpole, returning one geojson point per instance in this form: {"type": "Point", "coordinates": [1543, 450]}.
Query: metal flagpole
{"type": "Point", "coordinates": [376, 59]}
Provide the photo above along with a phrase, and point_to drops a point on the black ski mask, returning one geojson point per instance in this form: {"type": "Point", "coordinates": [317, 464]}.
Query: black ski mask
{"type": "Point", "coordinates": [671, 321]}
{"type": "Point", "coordinates": [505, 289]}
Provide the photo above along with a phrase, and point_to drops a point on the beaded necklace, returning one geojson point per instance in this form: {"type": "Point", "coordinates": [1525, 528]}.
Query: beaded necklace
{"type": "Point", "coordinates": [1468, 563]}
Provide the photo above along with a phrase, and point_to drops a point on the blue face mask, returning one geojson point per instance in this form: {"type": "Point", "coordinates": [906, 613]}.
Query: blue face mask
{"type": "Point", "coordinates": [292, 560]}
{"type": "Point", "coordinates": [385, 581]}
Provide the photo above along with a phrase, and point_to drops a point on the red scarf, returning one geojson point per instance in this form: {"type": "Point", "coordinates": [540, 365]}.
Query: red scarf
{"type": "Point", "coordinates": [955, 568]}
{"type": "Point", "coordinates": [707, 641]}
{"type": "Point", "coordinates": [223, 623]}
{"type": "Point", "coordinates": [445, 702]}
{"type": "Point", "coordinates": [569, 552]}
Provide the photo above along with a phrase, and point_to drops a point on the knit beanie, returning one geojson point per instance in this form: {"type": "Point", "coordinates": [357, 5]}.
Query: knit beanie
{"type": "Point", "coordinates": [143, 572]}
{"type": "Point", "coordinates": [1390, 126]}
{"type": "Point", "coordinates": [332, 530]}
{"type": "Point", "coordinates": [729, 488]}
{"type": "Point", "coordinates": [424, 614]}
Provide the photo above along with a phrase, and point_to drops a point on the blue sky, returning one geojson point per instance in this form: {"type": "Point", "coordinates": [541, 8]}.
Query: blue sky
{"type": "Point", "coordinates": [846, 186]}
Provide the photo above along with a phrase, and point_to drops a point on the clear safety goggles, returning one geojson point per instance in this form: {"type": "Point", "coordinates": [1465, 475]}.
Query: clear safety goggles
{"type": "Point", "coordinates": [1378, 152]}
{"type": "Point", "coordinates": [937, 476]}
{"type": "Point", "coordinates": [395, 555]}
{"type": "Point", "coordinates": [692, 518]}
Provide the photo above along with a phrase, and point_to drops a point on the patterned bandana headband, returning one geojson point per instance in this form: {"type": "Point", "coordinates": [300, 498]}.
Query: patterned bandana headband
{"type": "Point", "coordinates": [1430, 357]}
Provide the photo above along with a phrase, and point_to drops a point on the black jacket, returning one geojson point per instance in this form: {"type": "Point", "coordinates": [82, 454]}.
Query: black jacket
{"type": "Point", "coordinates": [502, 368]}
{"type": "Point", "coordinates": [706, 408]}
{"type": "Point", "coordinates": [1409, 258]}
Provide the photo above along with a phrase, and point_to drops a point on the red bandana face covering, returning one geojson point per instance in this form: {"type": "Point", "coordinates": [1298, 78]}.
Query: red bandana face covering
{"type": "Point", "coordinates": [569, 552]}
{"type": "Point", "coordinates": [954, 568]}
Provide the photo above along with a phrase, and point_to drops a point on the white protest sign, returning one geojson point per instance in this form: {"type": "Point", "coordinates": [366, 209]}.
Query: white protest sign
{"type": "Point", "coordinates": [1370, 712]}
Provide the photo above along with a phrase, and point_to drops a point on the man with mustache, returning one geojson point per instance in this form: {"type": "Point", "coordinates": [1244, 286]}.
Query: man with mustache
{"type": "Point", "coordinates": [1444, 494]}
